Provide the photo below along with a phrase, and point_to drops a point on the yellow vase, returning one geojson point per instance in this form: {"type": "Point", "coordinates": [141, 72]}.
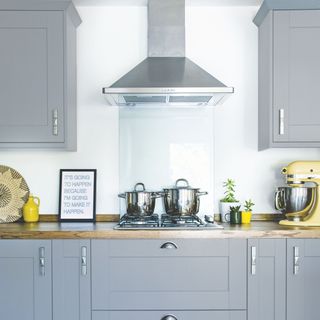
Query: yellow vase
{"type": "Point", "coordinates": [246, 217]}
{"type": "Point", "coordinates": [31, 209]}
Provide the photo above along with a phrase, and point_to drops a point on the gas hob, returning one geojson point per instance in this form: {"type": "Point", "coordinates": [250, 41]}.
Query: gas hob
{"type": "Point", "coordinates": [165, 221]}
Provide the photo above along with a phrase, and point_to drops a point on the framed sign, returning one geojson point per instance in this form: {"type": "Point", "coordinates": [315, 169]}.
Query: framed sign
{"type": "Point", "coordinates": [77, 197]}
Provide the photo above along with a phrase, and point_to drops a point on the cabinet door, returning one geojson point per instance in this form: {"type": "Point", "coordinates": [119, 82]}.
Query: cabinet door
{"type": "Point", "coordinates": [296, 76]}
{"type": "Point", "coordinates": [169, 315]}
{"type": "Point", "coordinates": [25, 280]}
{"type": "Point", "coordinates": [31, 76]}
{"type": "Point", "coordinates": [182, 274]}
{"type": "Point", "coordinates": [266, 279]}
{"type": "Point", "coordinates": [303, 279]}
{"type": "Point", "coordinates": [71, 280]}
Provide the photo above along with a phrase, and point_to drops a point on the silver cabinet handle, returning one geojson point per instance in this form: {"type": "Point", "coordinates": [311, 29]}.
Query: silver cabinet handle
{"type": "Point", "coordinates": [281, 122]}
{"type": "Point", "coordinates": [42, 261]}
{"type": "Point", "coordinates": [169, 245]}
{"type": "Point", "coordinates": [169, 317]}
{"type": "Point", "coordinates": [253, 260]}
{"type": "Point", "coordinates": [296, 260]}
{"type": "Point", "coordinates": [55, 122]}
{"type": "Point", "coordinates": [84, 261]}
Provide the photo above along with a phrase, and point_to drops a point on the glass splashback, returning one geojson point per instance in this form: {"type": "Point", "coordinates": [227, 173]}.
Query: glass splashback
{"type": "Point", "coordinates": [159, 146]}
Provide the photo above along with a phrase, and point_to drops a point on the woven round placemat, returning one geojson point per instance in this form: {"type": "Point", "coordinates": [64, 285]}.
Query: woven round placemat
{"type": "Point", "coordinates": [14, 193]}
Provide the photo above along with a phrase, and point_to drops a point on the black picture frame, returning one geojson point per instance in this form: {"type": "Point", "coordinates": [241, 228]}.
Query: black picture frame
{"type": "Point", "coordinates": [74, 189]}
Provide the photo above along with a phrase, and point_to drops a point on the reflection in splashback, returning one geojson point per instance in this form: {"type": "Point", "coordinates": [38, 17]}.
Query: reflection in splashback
{"type": "Point", "coordinates": [160, 145]}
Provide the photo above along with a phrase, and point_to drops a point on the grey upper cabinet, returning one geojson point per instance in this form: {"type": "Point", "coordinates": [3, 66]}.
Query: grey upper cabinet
{"type": "Point", "coordinates": [303, 279]}
{"type": "Point", "coordinates": [71, 280]}
{"type": "Point", "coordinates": [267, 279]}
{"type": "Point", "coordinates": [182, 274]}
{"type": "Point", "coordinates": [289, 79]}
{"type": "Point", "coordinates": [38, 75]}
{"type": "Point", "coordinates": [25, 280]}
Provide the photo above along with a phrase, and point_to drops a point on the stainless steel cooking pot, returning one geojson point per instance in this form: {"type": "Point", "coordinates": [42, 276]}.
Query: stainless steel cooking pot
{"type": "Point", "coordinates": [182, 199]}
{"type": "Point", "coordinates": [295, 202]}
{"type": "Point", "coordinates": [140, 202]}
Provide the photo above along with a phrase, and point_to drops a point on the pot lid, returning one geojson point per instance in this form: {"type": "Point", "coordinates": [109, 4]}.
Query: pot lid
{"type": "Point", "coordinates": [186, 185]}
{"type": "Point", "coordinates": [139, 188]}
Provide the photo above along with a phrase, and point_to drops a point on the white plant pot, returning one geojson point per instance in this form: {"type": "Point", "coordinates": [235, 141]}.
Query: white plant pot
{"type": "Point", "coordinates": [225, 208]}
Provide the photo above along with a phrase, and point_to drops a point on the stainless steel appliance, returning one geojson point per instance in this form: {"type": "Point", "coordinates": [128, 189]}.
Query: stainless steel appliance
{"type": "Point", "coordinates": [181, 204]}
{"type": "Point", "coordinates": [165, 221]}
{"type": "Point", "coordinates": [167, 77]}
{"type": "Point", "coordinates": [140, 202]}
{"type": "Point", "coordinates": [294, 199]}
{"type": "Point", "coordinates": [302, 207]}
{"type": "Point", "coordinates": [182, 199]}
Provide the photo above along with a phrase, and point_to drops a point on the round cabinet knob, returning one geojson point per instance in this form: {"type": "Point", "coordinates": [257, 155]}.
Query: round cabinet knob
{"type": "Point", "coordinates": [169, 317]}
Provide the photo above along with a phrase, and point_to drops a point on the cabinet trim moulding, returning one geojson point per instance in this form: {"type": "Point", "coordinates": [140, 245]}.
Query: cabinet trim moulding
{"type": "Point", "coordinates": [269, 5]}
{"type": "Point", "coordinates": [67, 6]}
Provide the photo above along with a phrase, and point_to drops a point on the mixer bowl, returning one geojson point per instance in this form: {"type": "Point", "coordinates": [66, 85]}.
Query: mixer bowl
{"type": "Point", "coordinates": [295, 202]}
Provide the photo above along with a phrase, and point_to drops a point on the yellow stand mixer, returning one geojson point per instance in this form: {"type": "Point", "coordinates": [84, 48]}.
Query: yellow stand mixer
{"type": "Point", "coordinates": [302, 194]}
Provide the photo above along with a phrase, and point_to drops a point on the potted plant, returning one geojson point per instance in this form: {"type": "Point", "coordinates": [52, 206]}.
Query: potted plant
{"type": "Point", "coordinates": [247, 213]}
{"type": "Point", "coordinates": [229, 199]}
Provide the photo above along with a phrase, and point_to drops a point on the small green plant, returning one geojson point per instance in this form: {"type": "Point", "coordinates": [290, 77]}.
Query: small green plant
{"type": "Point", "coordinates": [248, 204]}
{"type": "Point", "coordinates": [229, 193]}
{"type": "Point", "coordinates": [235, 209]}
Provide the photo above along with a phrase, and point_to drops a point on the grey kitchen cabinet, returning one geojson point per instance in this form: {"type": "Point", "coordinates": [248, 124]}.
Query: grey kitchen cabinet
{"type": "Point", "coordinates": [169, 315]}
{"type": "Point", "coordinates": [289, 77]}
{"type": "Point", "coordinates": [71, 280]}
{"type": "Point", "coordinates": [180, 274]}
{"type": "Point", "coordinates": [25, 280]}
{"type": "Point", "coordinates": [267, 279]}
{"type": "Point", "coordinates": [303, 279]}
{"type": "Point", "coordinates": [38, 74]}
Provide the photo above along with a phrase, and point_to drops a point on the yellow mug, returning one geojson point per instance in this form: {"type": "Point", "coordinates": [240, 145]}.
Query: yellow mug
{"type": "Point", "coordinates": [246, 217]}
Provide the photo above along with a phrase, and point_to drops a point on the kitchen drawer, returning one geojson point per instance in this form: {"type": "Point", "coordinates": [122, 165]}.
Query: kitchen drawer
{"type": "Point", "coordinates": [188, 274]}
{"type": "Point", "coordinates": [161, 315]}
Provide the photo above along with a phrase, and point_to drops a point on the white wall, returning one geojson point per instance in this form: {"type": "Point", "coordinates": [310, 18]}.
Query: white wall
{"type": "Point", "coordinates": [111, 40]}
{"type": "Point", "coordinates": [229, 50]}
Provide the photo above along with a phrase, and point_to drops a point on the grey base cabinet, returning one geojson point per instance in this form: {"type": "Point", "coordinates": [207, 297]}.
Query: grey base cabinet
{"type": "Point", "coordinates": [289, 79]}
{"type": "Point", "coordinates": [142, 279]}
{"type": "Point", "coordinates": [267, 279]}
{"type": "Point", "coordinates": [303, 282]}
{"type": "Point", "coordinates": [169, 315]}
{"type": "Point", "coordinates": [25, 280]}
{"type": "Point", "coordinates": [180, 274]}
{"type": "Point", "coordinates": [38, 74]}
{"type": "Point", "coordinates": [71, 280]}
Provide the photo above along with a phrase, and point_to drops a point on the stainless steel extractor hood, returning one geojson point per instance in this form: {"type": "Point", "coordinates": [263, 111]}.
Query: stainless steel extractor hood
{"type": "Point", "coordinates": [167, 77]}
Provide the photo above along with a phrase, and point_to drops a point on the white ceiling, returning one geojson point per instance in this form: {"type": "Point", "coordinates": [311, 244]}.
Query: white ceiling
{"type": "Point", "coordinates": [188, 2]}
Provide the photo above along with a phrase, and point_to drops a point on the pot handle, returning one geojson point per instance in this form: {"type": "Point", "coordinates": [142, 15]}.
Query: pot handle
{"type": "Point", "coordinates": [277, 202]}
{"type": "Point", "coordinates": [182, 180]}
{"type": "Point", "coordinates": [122, 195]}
{"type": "Point", "coordinates": [203, 193]}
{"type": "Point", "coordinates": [139, 184]}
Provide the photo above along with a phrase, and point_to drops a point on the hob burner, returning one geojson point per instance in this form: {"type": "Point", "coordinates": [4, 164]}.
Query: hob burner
{"type": "Point", "coordinates": [184, 221]}
{"type": "Point", "coordinates": [130, 221]}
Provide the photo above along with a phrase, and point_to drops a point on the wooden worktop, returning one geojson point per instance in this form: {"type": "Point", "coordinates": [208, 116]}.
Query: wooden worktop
{"type": "Point", "coordinates": [104, 230]}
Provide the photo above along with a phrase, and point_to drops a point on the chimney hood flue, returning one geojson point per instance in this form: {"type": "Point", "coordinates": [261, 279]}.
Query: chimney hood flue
{"type": "Point", "coordinates": [167, 77]}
